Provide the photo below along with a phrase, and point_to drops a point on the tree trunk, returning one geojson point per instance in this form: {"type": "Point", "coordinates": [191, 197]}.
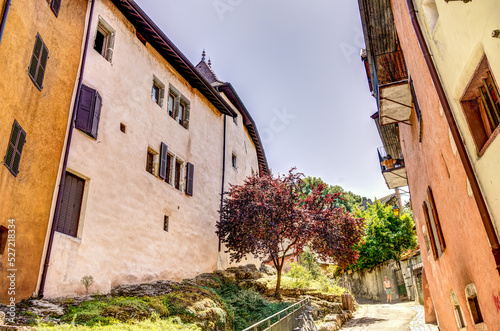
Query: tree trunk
{"type": "Point", "coordinates": [277, 293]}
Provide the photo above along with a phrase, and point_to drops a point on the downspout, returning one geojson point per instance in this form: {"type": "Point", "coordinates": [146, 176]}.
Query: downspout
{"type": "Point", "coordinates": [481, 204]}
{"type": "Point", "coordinates": [4, 18]}
{"type": "Point", "coordinates": [223, 177]}
{"type": "Point", "coordinates": [66, 155]}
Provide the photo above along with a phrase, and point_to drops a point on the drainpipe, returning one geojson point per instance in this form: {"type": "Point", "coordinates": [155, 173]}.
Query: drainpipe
{"type": "Point", "coordinates": [223, 175]}
{"type": "Point", "coordinates": [4, 18]}
{"type": "Point", "coordinates": [481, 204]}
{"type": "Point", "coordinates": [66, 155]}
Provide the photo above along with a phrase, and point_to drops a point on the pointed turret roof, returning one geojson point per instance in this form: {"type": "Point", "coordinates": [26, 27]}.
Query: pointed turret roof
{"type": "Point", "coordinates": [205, 69]}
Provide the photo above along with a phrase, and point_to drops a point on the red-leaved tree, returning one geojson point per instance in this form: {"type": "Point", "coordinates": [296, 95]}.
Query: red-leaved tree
{"type": "Point", "coordinates": [269, 216]}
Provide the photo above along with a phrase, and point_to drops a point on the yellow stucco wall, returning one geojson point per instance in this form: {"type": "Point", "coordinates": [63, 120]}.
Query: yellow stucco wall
{"type": "Point", "coordinates": [460, 38]}
{"type": "Point", "coordinates": [44, 116]}
{"type": "Point", "coordinates": [121, 237]}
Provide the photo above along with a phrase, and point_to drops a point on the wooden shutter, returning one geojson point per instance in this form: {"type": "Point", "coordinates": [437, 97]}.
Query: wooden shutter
{"type": "Point", "coordinates": [38, 62]}
{"type": "Point", "coordinates": [435, 216]}
{"type": "Point", "coordinates": [14, 149]}
{"type": "Point", "coordinates": [89, 111]}
{"type": "Point", "coordinates": [163, 161]}
{"type": "Point", "coordinates": [71, 205]}
{"type": "Point", "coordinates": [97, 115]}
{"type": "Point", "coordinates": [55, 5]}
{"type": "Point", "coordinates": [430, 232]}
{"type": "Point", "coordinates": [189, 179]}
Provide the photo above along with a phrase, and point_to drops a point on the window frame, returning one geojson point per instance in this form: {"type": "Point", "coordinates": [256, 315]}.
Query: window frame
{"type": "Point", "coordinates": [179, 101]}
{"type": "Point", "coordinates": [37, 60]}
{"type": "Point", "coordinates": [108, 43]}
{"type": "Point", "coordinates": [161, 91]}
{"type": "Point", "coordinates": [434, 231]}
{"type": "Point", "coordinates": [151, 161]}
{"type": "Point", "coordinates": [176, 176]}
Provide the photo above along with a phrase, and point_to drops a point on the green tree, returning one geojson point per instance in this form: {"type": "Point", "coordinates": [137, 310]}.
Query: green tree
{"type": "Point", "coordinates": [386, 237]}
{"type": "Point", "coordinates": [347, 199]}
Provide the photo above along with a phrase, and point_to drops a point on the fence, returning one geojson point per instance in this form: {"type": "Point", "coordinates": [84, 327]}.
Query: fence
{"type": "Point", "coordinates": [294, 318]}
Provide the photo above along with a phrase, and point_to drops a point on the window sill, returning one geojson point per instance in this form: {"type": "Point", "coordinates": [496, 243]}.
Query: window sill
{"type": "Point", "coordinates": [74, 239]}
{"type": "Point", "coordinates": [488, 142]}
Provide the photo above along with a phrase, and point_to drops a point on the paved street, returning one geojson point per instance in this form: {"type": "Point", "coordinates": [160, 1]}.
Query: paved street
{"type": "Point", "coordinates": [405, 316]}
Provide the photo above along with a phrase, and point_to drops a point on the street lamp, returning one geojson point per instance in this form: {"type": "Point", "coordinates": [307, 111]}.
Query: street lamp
{"type": "Point", "coordinates": [395, 211]}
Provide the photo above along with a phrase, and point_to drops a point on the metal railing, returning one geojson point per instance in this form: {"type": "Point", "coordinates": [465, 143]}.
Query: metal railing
{"type": "Point", "coordinates": [296, 317]}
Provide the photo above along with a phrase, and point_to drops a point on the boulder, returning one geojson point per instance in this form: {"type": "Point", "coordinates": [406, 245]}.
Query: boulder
{"type": "Point", "coordinates": [329, 326]}
{"type": "Point", "coordinates": [267, 269]}
{"type": "Point", "coordinates": [225, 276]}
{"type": "Point", "coordinates": [258, 285]}
{"type": "Point", "coordinates": [248, 271]}
{"type": "Point", "coordinates": [156, 288]}
{"type": "Point", "coordinates": [46, 308]}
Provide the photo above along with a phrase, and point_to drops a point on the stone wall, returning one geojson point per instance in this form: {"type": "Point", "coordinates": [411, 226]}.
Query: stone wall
{"type": "Point", "coordinates": [368, 283]}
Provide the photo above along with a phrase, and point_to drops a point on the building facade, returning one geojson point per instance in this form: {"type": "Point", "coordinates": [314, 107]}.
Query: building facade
{"type": "Point", "coordinates": [445, 118]}
{"type": "Point", "coordinates": [40, 52]}
{"type": "Point", "coordinates": [153, 144]}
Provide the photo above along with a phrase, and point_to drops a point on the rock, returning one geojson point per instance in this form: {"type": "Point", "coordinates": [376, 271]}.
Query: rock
{"type": "Point", "coordinates": [46, 308]}
{"type": "Point", "coordinates": [159, 287]}
{"type": "Point", "coordinates": [267, 269]}
{"type": "Point", "coordinates": [330, 326]}
{"type": "Point", "coordinates": [259, 285]}
{"type": "Point", "coordinates": [225, 276]}
{"type": "Point", "coordinates": [207, 280]}
{"type": "Point", "coordinates": [2, 318]}
{"type": "Point", "coordinates": [248, 271]}
{"type": "Point", "coordinates": [334, 318]}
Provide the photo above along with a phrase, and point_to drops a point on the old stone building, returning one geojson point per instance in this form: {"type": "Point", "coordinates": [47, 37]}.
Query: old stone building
{"type": "Point", "coordinates": [40, 50]}
{"type": "Point", "coordinates": [156, 141]}
{"type": "Point", "coordinates": [432, 68]}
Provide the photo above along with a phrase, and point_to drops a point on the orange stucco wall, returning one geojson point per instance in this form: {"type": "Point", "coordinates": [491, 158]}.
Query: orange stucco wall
{"type": "Point", "coordinates": [434, 162]}
{"type": "Point", "coordinates": [44, 116]}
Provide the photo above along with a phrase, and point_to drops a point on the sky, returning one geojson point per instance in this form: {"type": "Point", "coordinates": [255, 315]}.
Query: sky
{"type": "Point", "coordinates": [296, 66]}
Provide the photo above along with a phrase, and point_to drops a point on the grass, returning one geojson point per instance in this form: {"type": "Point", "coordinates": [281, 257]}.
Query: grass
{"type": "Point", "coordinates": [154, 324]}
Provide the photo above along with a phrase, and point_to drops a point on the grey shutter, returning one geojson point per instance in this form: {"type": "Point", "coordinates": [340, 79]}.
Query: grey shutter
{"type": "Point", "coordinates": [110, 41]}
{"type": "Point", "coordinates": [190, 179]}
{"type": "Point", "coordinates": [97, 115]}
{"type": "Point", "coordinates": [187, 113]}
{"type": "Point", "coordinates": [71, 204]}
{"type": "Point", "coordinates": [163, 161]}
{"type": "Point", "coordinates": [55, 5]}
{"type": "Point", "coordinates": [14, 149]}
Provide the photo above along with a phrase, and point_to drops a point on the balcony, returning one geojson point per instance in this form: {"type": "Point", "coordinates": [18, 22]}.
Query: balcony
{"type": "Point", "coordinates": [392, 165]}
{"type": "Point", "coordinates": [391, 88]}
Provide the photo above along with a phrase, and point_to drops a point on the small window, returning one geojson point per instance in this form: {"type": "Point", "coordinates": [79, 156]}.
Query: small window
{"type": "Point", "coordinates": [170, 170]}
{"type": "Point", "coordinates": [178, 107]}
{"type": "Point", "coordinates": [15, 148]}
{"type": "Point", "coordinates": [104, 40]}
{"type": "Point", "coordinates": [180, 118]}
{"type": "Point", "coordinates": [481, 106]}
{"type": "Point", "coordinates": [158, 92]}
{"type": "Point", "coordinates": [150, 162]}
{"type": "Point", "coordinates": [234, 161]}
{"type": "Point", "coordinates": [71, 205]}
{"type": "Point", "coordinates": [123, 128]}
{"type": "Point", "coordinates": [475, 310]}
{"type": "Point", "coordinates": [38, 63]}
{"type": "Point", "coordinates": [459, 316]}
{"type": "Point", "coordinates": [170, 106]}
{"type": "Point", "coordinates": [55, 5]}
{"type": "Point", "coordinates": [166, 221]}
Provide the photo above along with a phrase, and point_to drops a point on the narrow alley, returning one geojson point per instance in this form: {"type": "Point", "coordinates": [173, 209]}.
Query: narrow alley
{"type": "Point", "coordinates": [402, 316]}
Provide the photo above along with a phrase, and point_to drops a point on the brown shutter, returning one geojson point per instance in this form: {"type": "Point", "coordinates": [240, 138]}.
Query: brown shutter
{"type": "Point", "coordinates": [430, 233]}
{"type": "Point", "coordinates": [38, 62]}
{"type": "Point", "coordinates": [55, 5]}
{"type": "Point", "coordinates": [163, 161]}
{"type": "Point", "coordinates": [97, 115]}
{"type": "Point", "coordinates": [71, 204]}
{"type": "Point", "coordinates": [190, 178]}
{"type": "Point", "coordinates": [14, 149]}
{"type": "Point", "coordinates": [439, 231]}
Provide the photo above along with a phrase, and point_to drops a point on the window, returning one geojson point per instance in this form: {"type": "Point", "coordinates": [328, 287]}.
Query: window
{"type": "Point", "coordinates": [89, 111]}
{"type": "Point", "coordinates": [170, 162]}
{"type": "Point", "coordinates": [433, 225]}
{"type": "Point", "coordinates": [177, 180]}
{"type": "Point", "coordinates": [71, 205]}
{"type": "Point", "coordinates": [4, 235]}
{"type": "Point", "coordinates": [55, 5]}
{"type": "Point", "coordinates": [234, 161]}
{"type": "Point", "coordinates": [473, 305]}
{"type": "Point", "coordinates": [459, 316]}
{"type": "Point", "coordinates": [38, 63]}
{"type": "Point", "coordinates": [150, 162]}
{"type": "Point", "coordinates": [166, 221]}
{"type": "Point", "coordinates": [416, 106]}
{"type": "Point", "coordinates": [175, 174]}
{"type": "Point", "coordinates": [104, 39]}
{"type": "Point", "coordinates": [158, 92]}
{"type": "Point", "coordinates": [123, 127]}
{"type": "Point", "coordinates": [178, 107]}
{"type": "Point", "coordinates": [15, 148]}
{"type": "Point", "coordinates": [481, 106]}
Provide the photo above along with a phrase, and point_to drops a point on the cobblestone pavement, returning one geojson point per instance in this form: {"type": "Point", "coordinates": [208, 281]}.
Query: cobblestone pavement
{"type": "Point", "coordinates": [404, 316]}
